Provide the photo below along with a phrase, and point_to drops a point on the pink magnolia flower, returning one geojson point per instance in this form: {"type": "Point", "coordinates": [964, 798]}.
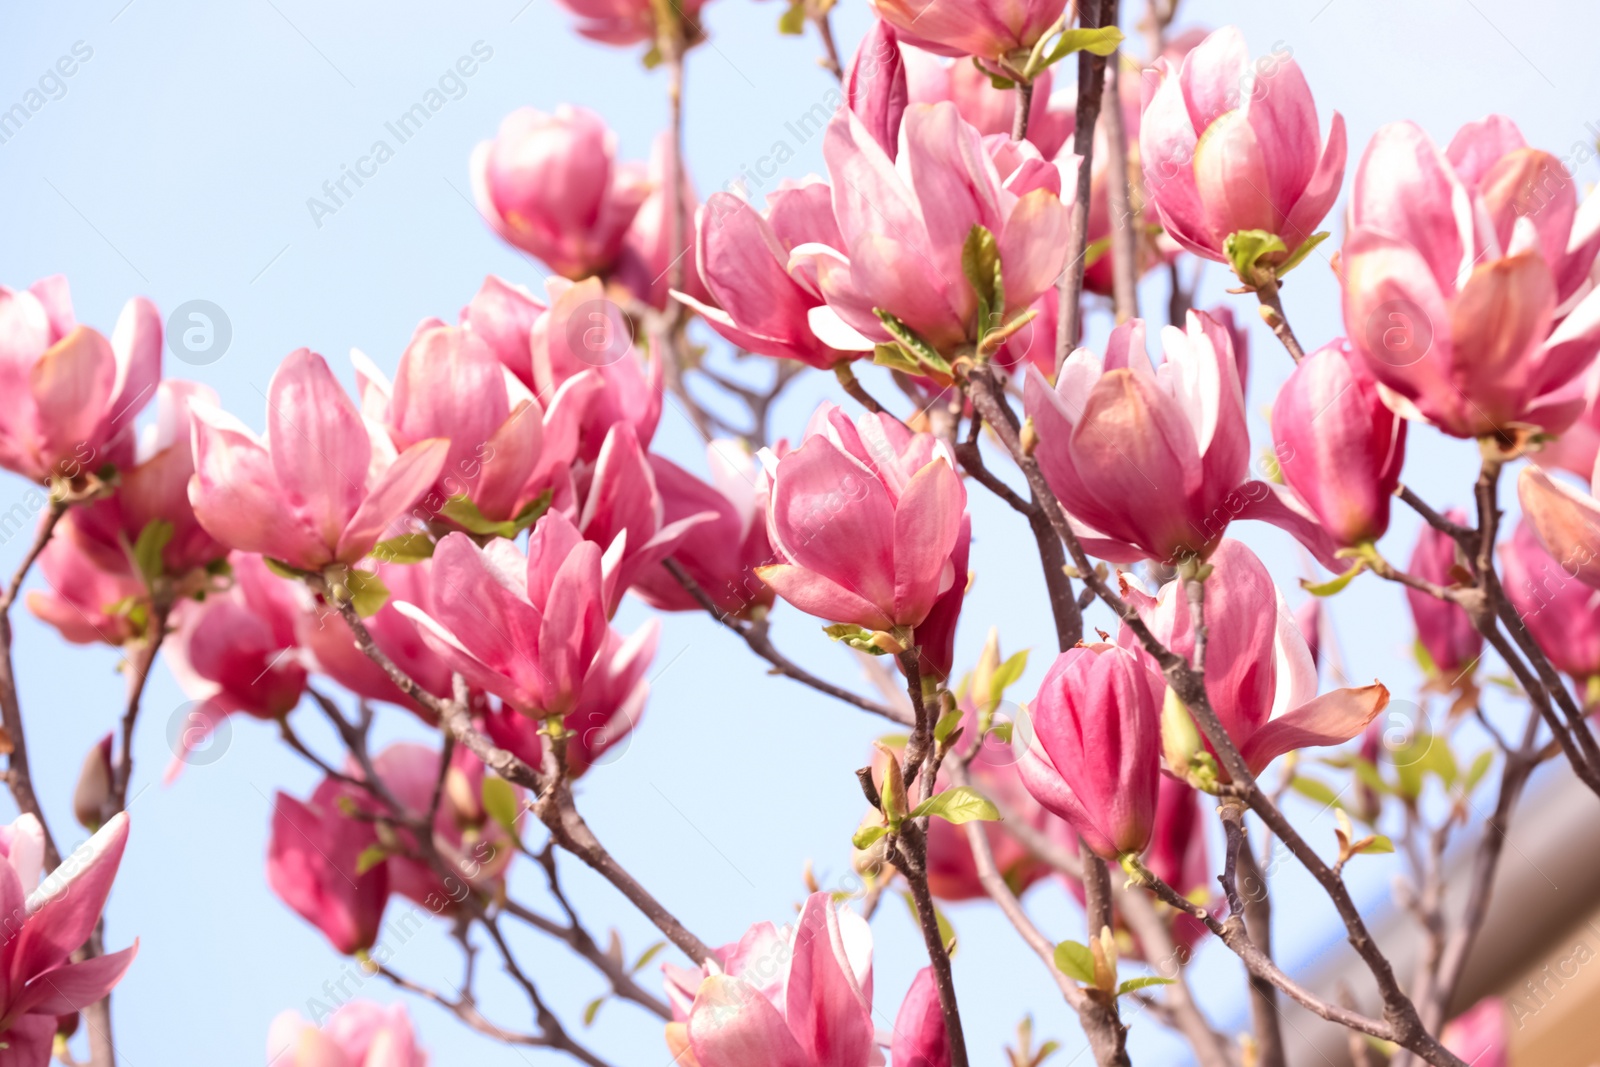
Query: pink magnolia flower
{"type": "Point", "coordinates": [598, 728]}
{"type": "Point", "coordinates": [526, 628]}
{"type": "Point", "coordinates": [767, 298]}
{"type": "Point", "coordinates": [503, 314]}
{"type": "Point", "coordinates": [330, 647]}
{"type": "Point", "coordinates": [989, 110]}
{"type": "Point", "coordinates": [1578, 447]}
{"type": "Point", "coordinates": [313, 858]}
{"type": "Point", "coordinates": [154, 488]}
{"type": "Point", "coordinates": [310, 494]}
{"type": "Point", "coordinates": [360, 1034]}
{"type": "Point", "coordinates": [1444, 630]}
{"type": "Point", "coordinates": [71, 395]}
{"type": "Point", "coordinates": [1339, 448]}
{"type": "Point", "coordinates": [46, 922]}
{"type": "Point", "coordinates": [876, 85]}
{"type": "Point", "coordinates": [865, 518]}
{"type": "Point", "coordinates": [723, 553]}
{"type": "Point", "coordinates": [86, 602]}
{"type": "Point", "coordinates": [920, 1036]}
{"type": "Point", "coordinates": [623, 22]}
{"type": "Point", "coordinates": [505, 448]}
{"type": "Point", "coordinates": [1095, 755]}
{"type": "Point", "coordinates": [644, 266]}
{"type": "Point", "coordinates": [1559, 612]}
{"type": "Point", "coordinates": [584, 331]}
{"type": "Point", "coordinates": [236, 652]}
{"type": "Point", "coordinates": [1466, 279]}
{"type": "Point", "coordinates": [1480, 1035]}
{"type": "Point", "coordinates": [905, 222]}
{"type": "Point", "coordinates": [986, 29]}
{"type": "Point", "coordinates": [800, 997]}
{"type": "Point", "coordinates": [1259, 674]}
{"type": "Point", "coordinates": [1156, 463]}
{"type": "Point", "coordinates": [550, 185]}
{"type": "Point", "coordinates": [1566, 520]}
{"type": "Point", "coordinates": [1228, 145]}
{"type": "Point", "coordinates": [476, 849]}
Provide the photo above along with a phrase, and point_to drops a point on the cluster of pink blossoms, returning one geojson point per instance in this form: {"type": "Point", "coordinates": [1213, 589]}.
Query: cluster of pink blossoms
{"type": "Point", "coordinates": [486, 510]}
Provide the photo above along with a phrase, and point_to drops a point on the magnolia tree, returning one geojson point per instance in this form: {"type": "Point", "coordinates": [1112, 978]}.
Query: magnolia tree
{"type": "Point", "coordinates": [453, 544]}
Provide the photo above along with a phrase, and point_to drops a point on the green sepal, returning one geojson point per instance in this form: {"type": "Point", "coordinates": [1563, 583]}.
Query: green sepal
{"type": "Point", "coordinates": [963, 804]}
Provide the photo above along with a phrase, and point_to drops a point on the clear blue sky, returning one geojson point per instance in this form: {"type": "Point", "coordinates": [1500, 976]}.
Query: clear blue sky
{"type": "Point", "coordinates": [177, 162]}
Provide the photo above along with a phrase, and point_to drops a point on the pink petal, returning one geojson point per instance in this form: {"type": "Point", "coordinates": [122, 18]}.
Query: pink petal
{"type": "Point", "coordinates": [731, 1025]}
{"type": "Point", "coordinates": [926, 522]}
{"type": "Point", "coordinates": [72, 987]}
{"type": "Point", "coordinates": [399, 487]}
{"type": "Point", "coordinates": [1330, 719]}
{"type": "Point", "coordinates": [319, 445]}
{"type": "Point", "coordinates": [63, 911]}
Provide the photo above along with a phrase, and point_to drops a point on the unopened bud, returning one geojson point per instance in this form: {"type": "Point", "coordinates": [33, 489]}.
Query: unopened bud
{"type": "Point", "coordinates": [896, 803]}
{"type": "Point", "coordinates": [93, 793]}
{"type": "Point", "coordinates": [1180, 738]}
{"type": "Point", "coordinates": [466, 800]}
{"type": "Point", "coordinates": [1029, 437]}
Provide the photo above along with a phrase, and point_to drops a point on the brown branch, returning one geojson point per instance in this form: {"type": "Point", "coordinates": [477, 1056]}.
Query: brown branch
{"type": "Point", "coordinates": [1024, 104]}
{"type": "Point", "coordinates": [755, 635]}
{"type": "Point", "coordinates": [1272, 314]}
{"type": "Point", "coordinates": [1124, 225]}
{"type": "Point", "coordinates": [1091, 83]}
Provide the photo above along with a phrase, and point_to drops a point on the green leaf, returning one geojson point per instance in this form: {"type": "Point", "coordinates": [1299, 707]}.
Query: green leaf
{"type": "Point", "coordinates": [894, 357]}
{"type": "Point", "coordinates": [946, 725]}
{"type": "Point", "coordinates": [1377, 846]}
{"type": "Point", "coordinates": [1245, 247]}
{"type": "Point", "coordinates": [1095, 251]}
{"type": "Point", "coordinates": [1312, 789]}
{"type": "Point", "coordinates": [283, 570]}
{"type": "Point", "coordinates": [591, 1009]}
{"type": "Point", "coordinates": [1424, 658]}
{"type": "Point", "coordinates": [148, 548]}
{"type": "Point", "coordinates": [1334, 584]}
{"type": "Point", "coordinates": [857, 637]}
{"type": "Point", "coordinates": [1001, 732]}
{"type": "Point", "coordinates": [1075, 961]}
{"type": "Point", "coordinates": [867, 836]}
{"type": "Point", "coordinates": [464, 513]}
{"type": "Point", "coordinates": [370, 857]}
{"type": "Point", "coordinates": [368, 594]}
{"type": "Point", "coordinates": [792, 23]}
{"type": "Point", "coordinates": [959, 805]}
{"type": "Point", "coordinates": [407, 548]}
{"type": "Point", "coordinates": [980, 262]}
{"type": "Point", "coordinates": [646, 956]}
{"type": "Point", "coordinates": [1101, 41]}
{"type": "Point", "coordinates": [1142, 983]}
{"type": "Point", "coordinates": [1442, 761]}
{"type": "Point", "coordinates": [1302, 252]}
{"type": "Point", "coordinates": [924, 354]}
{"type": "Point", "coordinates": [1480, 767]}
{"type": "Point", "coordinates": [1007, 673]}
{"type": "Point", "coordinates": [500, 801]}
{"type": "Point", "coordinates": [1368, 775]}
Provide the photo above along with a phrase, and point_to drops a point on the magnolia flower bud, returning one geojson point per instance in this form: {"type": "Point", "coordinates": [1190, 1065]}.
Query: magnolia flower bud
{"type": "Point", "coordinates": [93, 793]}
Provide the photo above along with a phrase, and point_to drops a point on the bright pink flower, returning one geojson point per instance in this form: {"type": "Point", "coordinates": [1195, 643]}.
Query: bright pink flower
{"type": "Point", "coordinates": [1444, 630]}
{"type": "Point", "coordinates": [1230, 145]}
{"type": "Point", "coordinates": [85, 602]}
{"type": "Point", "coordinates": [624, 514]}
{"type": "Point", "coordinates": [331, 648]}
{"type": "Point", "coordinates": [904, 223]}
{"type": "Point", "coordinates": [614, 695]}
{"type": "Point", "coordinates": [1480, 1035]}
{"type": "Point", "coordinates": [986, 29]}
{"type": "Point", "coordinates": [623, 22]}
{"type": "Point", "coordinates": [1566, 520]}
{"type": "Point", "coordinates": [527, 629]}
{"type": "Point", "coordinates": [1156, 463]}
{"type": "Point", "coordinates": [936, 636]}
{"type": "Point", "coordinates": [989, 110]}
{"type": "Point", "coordinates": [310, 494]}
{"type": "Point", "coordinates": [767, 299]}
{"type": "Point", "coordinates": [359, 1034]}
{"type": "Point", "coordinates": [865, 518]}
{"type": "Point", "coordinates": [721, 555]}
{"type": "Point", "coordinates": [1559, 612]}
{"type": "Point", "coordinates": [475, 848]}
{"type": "Point", "coordinates": [154, 489]}
{"type": "Point", "coordinates": [46, 922]}
{"type": "Point", "coordinates": [644, 267]}
{"type": "Point", "coordinates": [313, 858]}
{"type": "Point", "coordinates": [1579, 444]}
{"type": "Point", "coordinates": [1339, 447]}
{"type": "Point", "coordinates": [71, 395]}
{"type": "Point", "coordinates": [1095, 755]}
{"type": "Point", "coordinates": [236, 652]}
{"type": "Point", "coordinates": [550, 185]}
{"type": "Point", "coordinates": [795, 998]}
{"type": "Point", "coordinates": [920, 1036]}
{"type": "Point", "coordinates": [584, 331]}
{"type": "Point", "coordinates": [876, 85]}
{"type": "Point", "coordinates": [506, 449]}
{"type": "Point", "coordinates": [1466, 279]}
{"type": "Point", "coordinates": [1259, 674]}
